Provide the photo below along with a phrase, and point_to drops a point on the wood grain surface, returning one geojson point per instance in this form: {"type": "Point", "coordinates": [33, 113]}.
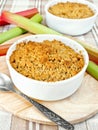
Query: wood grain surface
{"type": "Point", "coordinates": [77, 108]}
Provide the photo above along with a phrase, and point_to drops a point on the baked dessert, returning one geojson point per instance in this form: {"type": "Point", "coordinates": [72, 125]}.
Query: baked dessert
{"type": "Point", "coordinates": [49, 61]}
{"type": "Point", "coordinates": [71, 10]}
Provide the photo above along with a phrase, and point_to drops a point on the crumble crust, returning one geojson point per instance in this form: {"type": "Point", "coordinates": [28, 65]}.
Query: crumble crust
{"type": "Point", "coordinates": [46, 61]}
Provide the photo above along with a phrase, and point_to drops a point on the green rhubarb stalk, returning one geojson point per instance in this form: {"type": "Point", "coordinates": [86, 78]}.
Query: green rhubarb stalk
{"type": "Point", "coordinates": [92, 69]}
{"type": "Point", "coordinates": [25, 23]}
{"type": "Point", "coordinates": [16, 31]}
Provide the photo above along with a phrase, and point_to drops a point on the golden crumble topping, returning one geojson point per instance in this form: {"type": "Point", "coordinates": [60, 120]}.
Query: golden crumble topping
{"type": "Point", "coordinates": [71, 10]}
{"type": "Point", "coordinates": [46, 61]}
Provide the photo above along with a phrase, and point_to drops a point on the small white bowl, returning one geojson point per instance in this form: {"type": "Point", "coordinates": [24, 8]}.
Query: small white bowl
{"type": "Point", "coordinates": [42, 90]}
{"type": "Point", "coordinates": [70, 26]}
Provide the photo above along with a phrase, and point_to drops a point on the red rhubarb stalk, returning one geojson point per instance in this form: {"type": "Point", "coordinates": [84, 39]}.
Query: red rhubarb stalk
{"type": "Point", "coordinates": [26, 13]}
{"type": "Point", "coordinates": [4, 48]}
{"type": "Point", "coordinates": [93, 58]}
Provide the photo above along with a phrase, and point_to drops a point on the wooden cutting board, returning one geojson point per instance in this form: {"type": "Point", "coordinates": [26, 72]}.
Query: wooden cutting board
{"type": "Point", "coordinates": [77, 108]}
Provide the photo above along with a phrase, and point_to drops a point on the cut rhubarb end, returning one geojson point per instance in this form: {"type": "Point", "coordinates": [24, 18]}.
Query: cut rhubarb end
{"type": "Point", "coordinates": [2, 22]}
{"type": "Point", "coordinates": [7, 17]}
{"type": "Point", "coordinates": [3, 49]}
{"type": "Point", "coordinates": [26, 13]}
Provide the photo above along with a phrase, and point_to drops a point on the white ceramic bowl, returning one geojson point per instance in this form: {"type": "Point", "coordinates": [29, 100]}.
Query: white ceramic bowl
{"type": "Point", "coordinates": [70, 26]}
{"type": "Point", "coordinates": [47, 91]}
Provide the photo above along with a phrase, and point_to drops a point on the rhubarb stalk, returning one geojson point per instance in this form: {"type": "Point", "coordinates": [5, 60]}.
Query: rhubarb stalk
{"type": "Point", "coordinates": [26, 13]}
{"type": "Point", "coordinates": [14, 32]}
{"type": "Point", "coordinates": [92, 69]}
{"type": "Point", "coordinates": [92, 51]}
{"type": "Point", "coordinates": [4, 48]}
{"type": "Point", "coordinates": [25, 23]}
